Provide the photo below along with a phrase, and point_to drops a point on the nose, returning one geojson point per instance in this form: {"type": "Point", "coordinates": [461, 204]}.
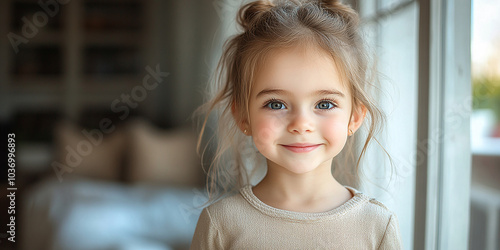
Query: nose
{"type": "Point", "coordinates": [301, 123]}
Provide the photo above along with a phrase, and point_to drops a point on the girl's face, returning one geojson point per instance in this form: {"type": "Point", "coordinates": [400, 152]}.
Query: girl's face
{"type": "Point", "coordinates": [300, 110]}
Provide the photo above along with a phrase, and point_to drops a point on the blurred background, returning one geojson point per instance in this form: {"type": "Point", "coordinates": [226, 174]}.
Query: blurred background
{"type": "Point", "coordinates": [485, 126]}
{"type": "Point", "coordinates": [100, 93]}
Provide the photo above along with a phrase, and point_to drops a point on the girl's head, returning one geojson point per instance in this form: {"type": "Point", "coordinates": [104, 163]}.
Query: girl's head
{"type": "Point", "coordinates": [296, 74]}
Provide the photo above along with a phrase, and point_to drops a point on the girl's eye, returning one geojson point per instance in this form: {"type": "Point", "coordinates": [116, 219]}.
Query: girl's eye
{"type": "Point", "coordinates": [325, 105]}
{"type": "Point", "coordinates": [275, 105]}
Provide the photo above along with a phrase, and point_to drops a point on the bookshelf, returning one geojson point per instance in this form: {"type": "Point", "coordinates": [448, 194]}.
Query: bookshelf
{"type": "Point", "coordinates": [67, 61]}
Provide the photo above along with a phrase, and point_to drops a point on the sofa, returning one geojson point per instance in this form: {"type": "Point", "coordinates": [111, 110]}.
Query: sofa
{"type": "Point", "coordinates": [135, 187]}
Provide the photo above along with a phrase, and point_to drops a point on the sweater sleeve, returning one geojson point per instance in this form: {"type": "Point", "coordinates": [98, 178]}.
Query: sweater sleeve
{"type": "Point", "coordinates": [392, 237]}
{"type": "Point", "coordinates": [206, 235]}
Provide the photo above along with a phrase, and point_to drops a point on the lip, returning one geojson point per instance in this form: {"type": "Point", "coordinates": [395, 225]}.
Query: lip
{"type": "Point", "coordinates": [301, 147]}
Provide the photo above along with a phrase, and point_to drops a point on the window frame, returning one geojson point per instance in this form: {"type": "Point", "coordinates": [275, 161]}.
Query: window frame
{"type": "Point", "coordinates": [445, 105]}
{"type": "Point", "coordinates": [442, 193]}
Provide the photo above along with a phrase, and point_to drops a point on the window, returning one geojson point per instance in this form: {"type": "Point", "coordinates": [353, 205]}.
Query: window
{"type": "Point", "coordinates": [422, 50]}
{"type": "Point", "coordinates": [392, 30]}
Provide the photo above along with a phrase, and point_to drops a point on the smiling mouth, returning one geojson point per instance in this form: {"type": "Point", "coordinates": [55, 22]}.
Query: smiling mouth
{"type": "Point", "coordinates": [301, 148]}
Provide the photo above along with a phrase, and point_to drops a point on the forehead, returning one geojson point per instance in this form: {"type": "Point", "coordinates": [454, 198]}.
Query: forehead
{"type": "Point", "coordinates": [301, 68]}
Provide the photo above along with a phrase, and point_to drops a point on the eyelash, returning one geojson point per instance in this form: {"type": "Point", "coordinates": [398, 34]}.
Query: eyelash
{"type": "Point", "coordinates": [331, 101]}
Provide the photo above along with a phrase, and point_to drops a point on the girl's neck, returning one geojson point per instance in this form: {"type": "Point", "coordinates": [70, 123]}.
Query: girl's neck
{"type": "Point", "coordinates": [314, 191]}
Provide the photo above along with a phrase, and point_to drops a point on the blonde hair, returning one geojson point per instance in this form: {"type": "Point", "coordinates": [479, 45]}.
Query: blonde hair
{"type": "Point", "coordinates": [267, 26]}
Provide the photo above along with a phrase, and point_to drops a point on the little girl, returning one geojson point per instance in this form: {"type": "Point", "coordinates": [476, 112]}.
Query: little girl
{"type": "Point", "coordinates": [294, 85]}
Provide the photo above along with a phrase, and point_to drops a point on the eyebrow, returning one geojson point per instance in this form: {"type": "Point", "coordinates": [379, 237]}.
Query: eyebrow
{"type": "Point", "coordinates": [284, 92]}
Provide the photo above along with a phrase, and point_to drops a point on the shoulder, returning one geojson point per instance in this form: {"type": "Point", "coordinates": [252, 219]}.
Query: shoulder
{"type": "Point", "coordinates": [389, 224]}
{"type": "Point", "coordinates": [226, 208]}
{"type": "Point", "coordinates": [215, 222]}
{"type": "Point", "coordinates": [373, 211]}
{"type": "Point", "coordinates": [378, 209]}
{"type": "Point", "coordinates": [376, 218]}
{"type": "Point", "coordinates": [226, 204]}
{"type": "Point", "coordinates": [371, 206]}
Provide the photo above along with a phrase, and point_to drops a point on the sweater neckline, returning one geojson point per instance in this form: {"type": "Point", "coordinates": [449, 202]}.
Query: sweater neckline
{"type": "Point", "coordinates": [357, 199]}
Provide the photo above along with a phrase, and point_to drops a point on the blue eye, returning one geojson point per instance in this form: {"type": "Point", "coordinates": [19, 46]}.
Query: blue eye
{"type": "Point", "coordinates": [275, 105]}
{"type": "Point", "coordinates": [325, 105]}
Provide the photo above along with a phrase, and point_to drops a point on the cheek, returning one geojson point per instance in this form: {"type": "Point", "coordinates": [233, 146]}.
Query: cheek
{"type": "Point", "coordinates": [334, 129]}
{"type": "Point", "coordinates": [265, 129]}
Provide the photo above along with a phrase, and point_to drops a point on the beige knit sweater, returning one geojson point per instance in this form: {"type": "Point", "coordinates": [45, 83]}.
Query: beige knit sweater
{"type": "Point", "coordinates": [242, 221]}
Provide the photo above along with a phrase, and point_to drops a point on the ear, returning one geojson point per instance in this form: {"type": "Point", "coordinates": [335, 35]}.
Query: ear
{"type": "Point", "coordinates": [357, 118]}
{"type": "Point", "coordinates": [241, 122]}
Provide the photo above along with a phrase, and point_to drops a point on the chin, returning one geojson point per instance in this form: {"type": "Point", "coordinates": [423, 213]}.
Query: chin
{"type": "Point", "coordinates": [301, 169]}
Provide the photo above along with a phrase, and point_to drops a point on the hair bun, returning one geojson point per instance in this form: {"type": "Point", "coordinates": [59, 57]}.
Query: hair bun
{"type": "Point", "coordinates": [251, 12]}
{"type": "Point", "coordinates": [336, 7]}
